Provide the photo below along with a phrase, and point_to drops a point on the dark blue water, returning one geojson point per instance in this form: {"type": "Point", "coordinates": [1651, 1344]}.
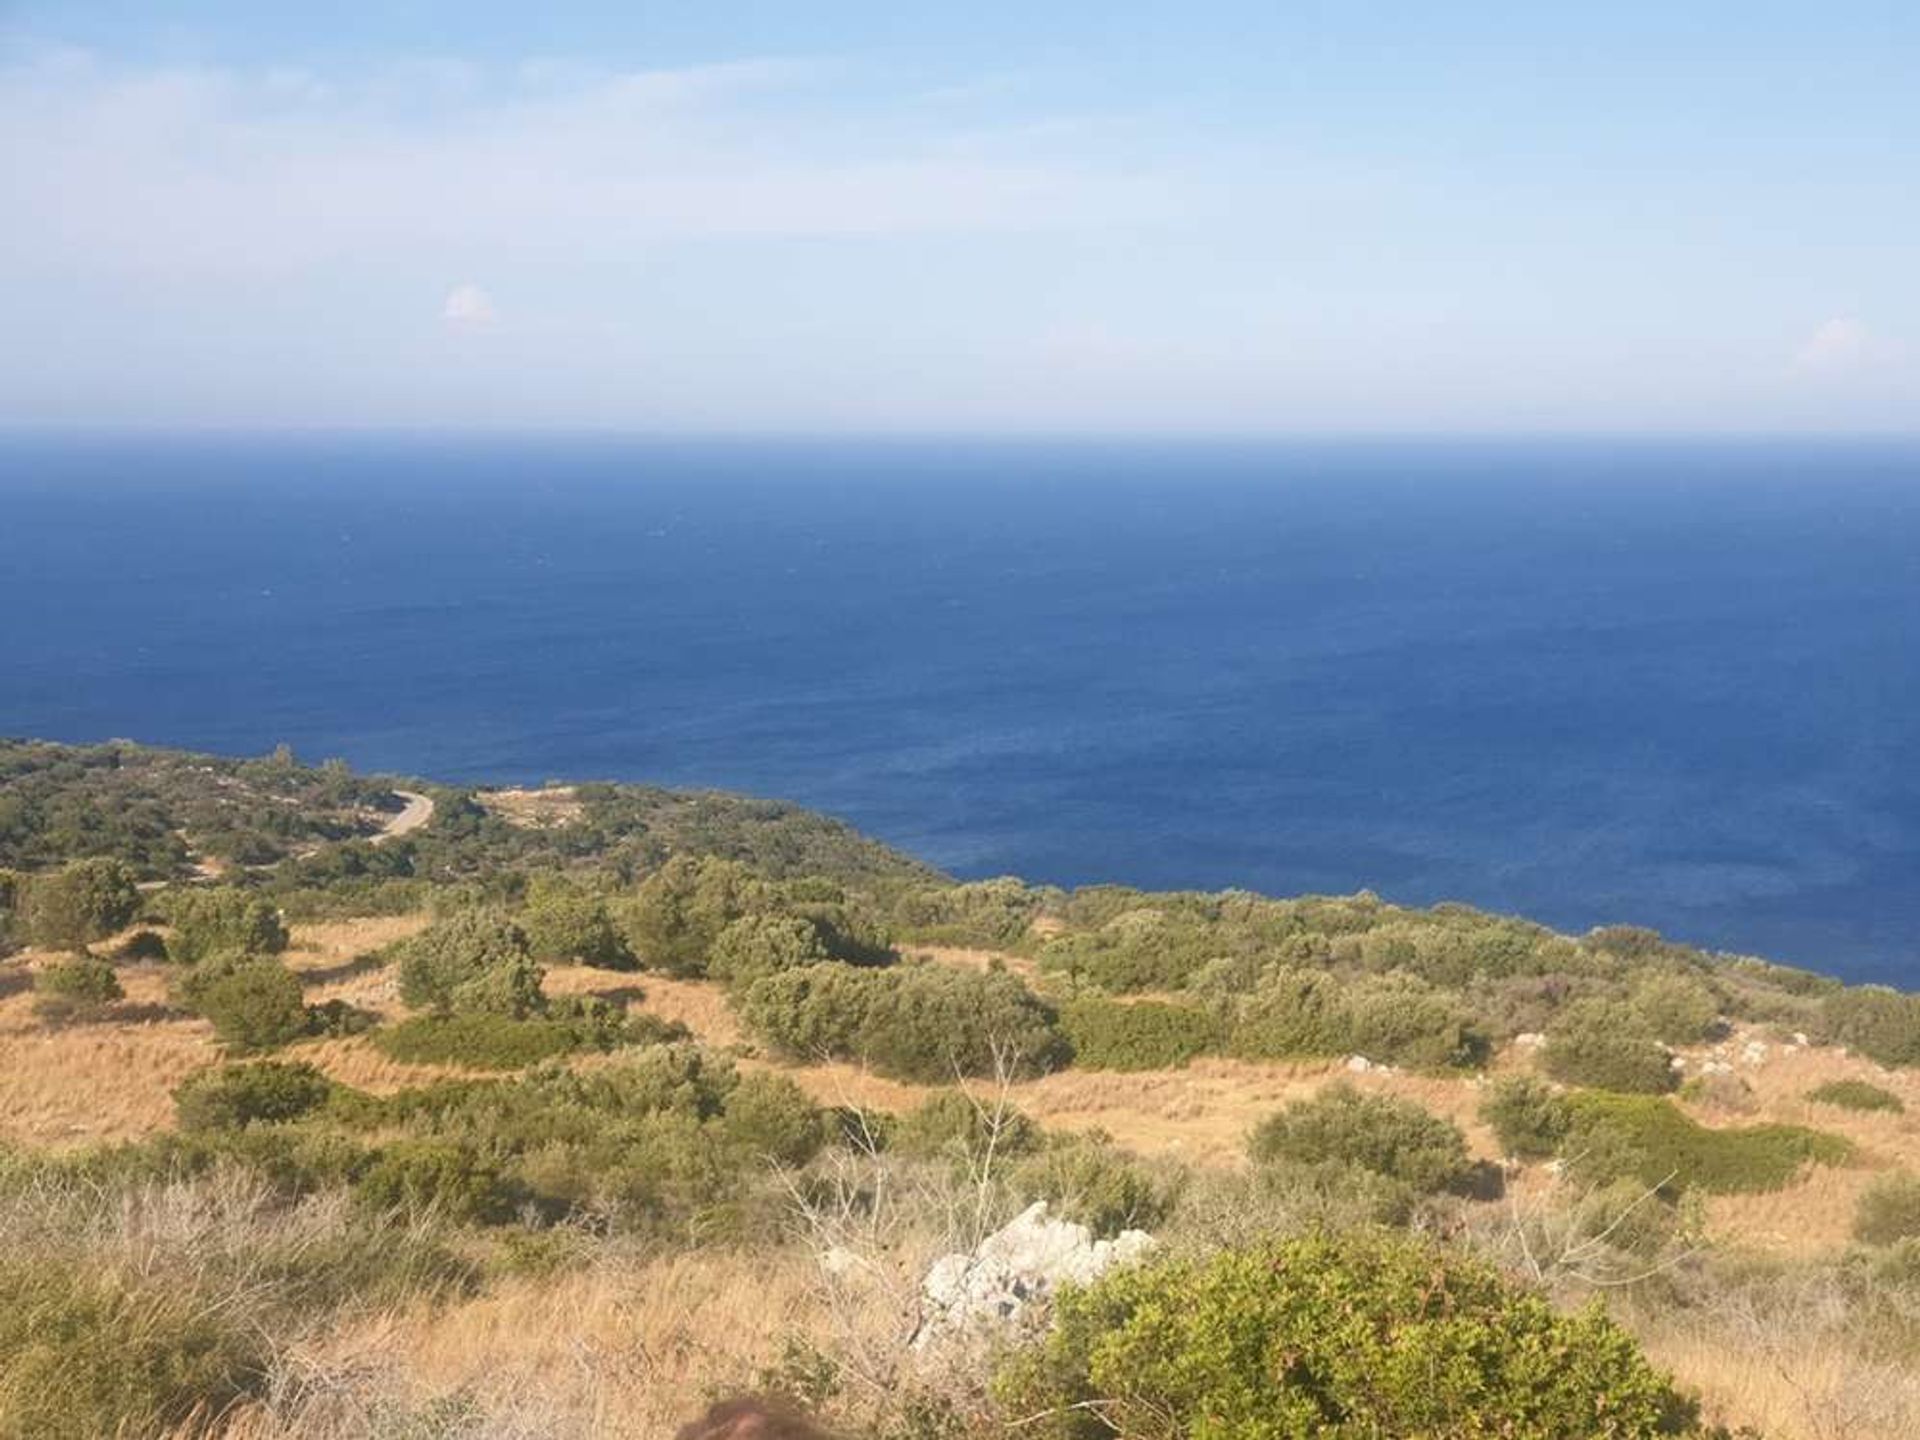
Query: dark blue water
{"type": "Point", "coordinates": [1677, 684]}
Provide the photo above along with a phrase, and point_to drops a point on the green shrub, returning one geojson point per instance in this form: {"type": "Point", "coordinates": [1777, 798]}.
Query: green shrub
{"type": "Point", "coordinates": [220, 920]}
{"type": "Point", "coordinates": [253, 1004]}
{"type": "Point", "coordinates": [424, 1177]}
{"type": "Point", "coordinates": [1645, 1138]}
{"type": "Point", "coordinates": [87, 900]}
{"type": "Point", "coordinates": [231, 1097]}
{"type": "Point", "coordinates": [772, 1118]}
{"type": "Point", "coordinates": [1138, 950]}
{"type": "Point", "coordinates": [1087, 1179]}
{"type": "Point", "coordinates": [1856, 1095]}
{"type": "Point", "coordinates": [913, 1022]}
{"type": "Point", "coordinates": [678, 912]}
{"type": "Point", "coordinates": [1526, 1116]}
{"type": "Point", "coordinates": [337, 1019]}
{"type": "Point", "coordinates": [1145, 1035]}
{"type": "Point", "coordinates": [1399, 1019]}
{"type": "Point", "coordinates": [993, 914]}
{"type": "Point", "coordinates": [1676, 1008]}
{"type": "Point", "coordinates": [1609, 1047]}
{"type": "Point", "coordinates": [1381, 1133]}
{"type": "Point", "coordinates": [1363, 1335]}
{"type": "Point", "coordinates": [473, 960]}
{"type": "Point", "coordinates": [1888, 1210]}
{"type": "Point", "coordinates": [1292, 1014]}
{"type": "Point", "coordinates": [483, 1040]}
{"type": "Point", "coordinates": [968, 1130]}
{"type": "Point", "coordinates": [567, 924]}
{"type": "Point", "coordinates": [1881, 1024]}
{"type": "Point", "coordinates": [86, 1354]}
{"type": "Point", "coordinates": [73, 990]}
{"type": "Point", "coordinates": [757, 945]}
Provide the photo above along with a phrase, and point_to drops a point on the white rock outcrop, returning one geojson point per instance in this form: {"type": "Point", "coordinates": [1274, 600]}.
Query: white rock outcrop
{"type": "Point", "coordinates": [1008, 1279]}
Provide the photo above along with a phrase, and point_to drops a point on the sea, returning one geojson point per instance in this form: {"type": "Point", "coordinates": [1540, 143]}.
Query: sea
{"type": "Point", "coordinates": [1666, 682]}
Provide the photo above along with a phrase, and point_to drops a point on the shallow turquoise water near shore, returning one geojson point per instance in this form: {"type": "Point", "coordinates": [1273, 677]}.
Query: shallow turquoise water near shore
{"type": "Point", "coordinates": [1675, 683]}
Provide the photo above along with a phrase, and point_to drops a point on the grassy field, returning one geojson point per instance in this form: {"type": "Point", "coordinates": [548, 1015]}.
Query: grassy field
{"type": "Point", "coordinates": [616, 1345]}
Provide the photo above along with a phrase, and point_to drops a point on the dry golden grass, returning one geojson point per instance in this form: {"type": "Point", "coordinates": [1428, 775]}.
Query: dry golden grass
{"type": "Point", "coordinates": [107, 1081]}
{"type": "Point", "coordinates": [1785, 1388]}
{"type": "Point", "coordinates": [113, 1080]}
{"type": "Point", "coordinates": [622, 1349]}
{"type": "Point", "coordinates": [966, 959]}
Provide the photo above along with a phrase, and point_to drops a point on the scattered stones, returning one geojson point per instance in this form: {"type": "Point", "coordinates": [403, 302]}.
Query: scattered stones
{"type": "Point", "coordinates": [1531, 1040]}
{"type": "Point", "coordinates": [1754, 1052]}
{"type": "Point", "coordinates": [1007, 1281]}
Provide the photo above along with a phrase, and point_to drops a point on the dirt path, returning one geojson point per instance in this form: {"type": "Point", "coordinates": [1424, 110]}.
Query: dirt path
{"type": "Point", "coordinates": [418, 811]}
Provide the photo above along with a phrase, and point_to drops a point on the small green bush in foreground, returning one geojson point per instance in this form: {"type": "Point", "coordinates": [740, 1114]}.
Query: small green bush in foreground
{"type": "Point", "coordinates": [1362, 1336]}
{"type": "Point", "coordinates": [1856, 1095]}
{"type": "Point", "coordinates": [86, 1354]}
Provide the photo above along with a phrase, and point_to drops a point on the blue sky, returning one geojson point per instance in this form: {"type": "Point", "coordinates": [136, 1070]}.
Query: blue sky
{"type": "Point", "coordinates": [1204, 218]}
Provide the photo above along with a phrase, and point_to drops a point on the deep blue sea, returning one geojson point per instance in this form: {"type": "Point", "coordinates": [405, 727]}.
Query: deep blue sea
{"type": "Point", "coordinates": [1669, 683]}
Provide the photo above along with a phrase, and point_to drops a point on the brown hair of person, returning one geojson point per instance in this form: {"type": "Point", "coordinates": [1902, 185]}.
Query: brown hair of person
{"type": "Point", "coordinates": [751, 1417]}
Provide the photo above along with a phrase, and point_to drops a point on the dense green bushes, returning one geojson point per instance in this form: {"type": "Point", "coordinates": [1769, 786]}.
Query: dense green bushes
{"type": "Point", "coordinates": [1646, 1138]}
{"type": "Point", "coordinates": [993, 914]}
{"type": "Point", "coordinates": [1881, 1024]}
{"type": "Point", "coordinates": [757, 945]}
{"type": "Point", "coordinates": [1856, 1095]}
{"type": "Point", "coordinates": [253, 1004]}
{"type": "Point", "coordinates": [473, 960]}
{"type": "Point", "coordinates": [678, 912]}
{"type": "Point", "coordinates": [86, 1352]}
{"type": "Point", "coordinates": [1394, 1019]}
{"type": "Point", "coordinates": [87, 900]}
{"type": "Point", "coordinates": [1527, 1117]}
{"type": "Point", "coordinates": [1608, 1046]}
{"type": "Point", "coordinates": [231, 1097]}
{"type": "Point", "coordinates": [484, 1040]}
{"type": "Point", "coordinates": [219, 920]}
{"type": "Point", "coordinates": [1382, 1134]}
{"type": "Point", "coordinates": [567, 923]}
{"type": "Point", "coordinates": [1361, 1336]}
{"type": "Point", "coordinates": [915, 1022]}
{"type": "Point", "coordinates": [1144, 1035]}
{"type": "Point", "coordinates": [81, 988]}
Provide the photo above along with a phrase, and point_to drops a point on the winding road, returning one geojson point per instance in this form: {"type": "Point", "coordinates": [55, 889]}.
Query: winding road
{"type": "Point", "coordinates": [417, 812]}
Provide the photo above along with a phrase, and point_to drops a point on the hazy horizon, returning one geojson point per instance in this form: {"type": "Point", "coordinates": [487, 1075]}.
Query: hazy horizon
{"type": "Point", "coordinates": [1094, 221]}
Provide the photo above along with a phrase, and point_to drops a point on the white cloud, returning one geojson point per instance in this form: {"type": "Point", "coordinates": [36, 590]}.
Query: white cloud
{"type": "Point", "coordinates": [1841, 346]}
{"type": "Point", "coordinates": [468, 307]}
{"type": "Point", "coordinates": [224, 171]}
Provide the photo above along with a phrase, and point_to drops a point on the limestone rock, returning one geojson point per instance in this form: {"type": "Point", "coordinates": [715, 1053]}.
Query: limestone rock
{"type": "Point", "coordinates": [1007, 1281]}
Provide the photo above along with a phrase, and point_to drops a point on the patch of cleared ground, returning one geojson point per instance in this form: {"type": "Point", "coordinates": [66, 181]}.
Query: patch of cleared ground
{"type": "Point", "coordinates": [543, 809]}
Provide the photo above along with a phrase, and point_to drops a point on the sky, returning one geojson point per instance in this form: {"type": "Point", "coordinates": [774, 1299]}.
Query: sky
{"type": "Point", "coordinates": [1114, 218]}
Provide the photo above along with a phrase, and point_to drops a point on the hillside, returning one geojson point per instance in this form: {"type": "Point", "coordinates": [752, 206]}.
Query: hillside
{"type": "Point", "coordinates": [566, 1109]}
